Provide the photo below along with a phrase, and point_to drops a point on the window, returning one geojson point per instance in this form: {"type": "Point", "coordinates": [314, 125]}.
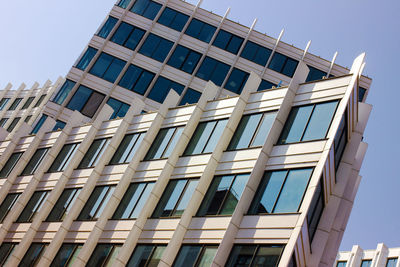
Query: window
{"type": "Point", "coordinates": [254, 255]}
{"type": "Point", "coordinates": [307, 123]}
{"type": "Point", "coordinates": [175, 198]}
{"type": "Point", "coordinates": [120, 108]}
{"type": "Point", "coordinates": [59, 125]}
{"type": "Point", "coordinates": [127, 35]}
{"type": "Point", "coordinates": [86, 58]}
{"type": "Point", "coordinates": [104, 255]}
{"type": "Point", "coordinates": [10, 164]}
{"type": "Point", "coordinates": [283, 64]}
{"type": "Point", "coordinates": [223, 195]}
{"type": "Point", "coordinates": [164, 143]}
{"type": "Point", "coordinates": [213, 70]}
{"type": "Point", "coordinates": [124, 3]}
{"type": "Point", "coordinates": [107, 67]}
{"type": "Point", "coordinates": [200, 30]}
{"type": "Point", "coordinates": [28, 102]}
{"type": "Point", "coordinates": [31, 257]}
{"type": "Point", "coordinates": [133, 201]}
{"type": "Point", "coordinates": [190, 97]}
{"type": "Point", "coordinates": [265, 85]}
{"type": "Point", "coordinates": [35, 161]}
{"type": "Point", "coordinates": [136, 79]}
{"type": "Point", "coordinates": [7, 205]}
{"type": "Point", "coordinates": [63, 92]}
{"type": "Point", "coordinates": [315, 211]}
{"type": "Point", "coordinates": [13, 124]}
{"type": "Point", "coordinates": [252, 130]}
{"type": "Point", "coordinates": [126, 150]}
{"type": "Point", "coordinates": [67, 255]}
{"type": "Point", "coordinates": [366, 263]}
{"type": "Point", "coordinates": [391, 262]}
{"type": "Point", "coordinates": [184, 59]}
{"type": "Point", "coordinates": [15, 104]}
{"type": "Point", "coordinates": [33, 207]}
{"type": "Point", "coordinates": [341, 264]}
{"type": "Point", "coordinates": [26, 119]}
{"type": "Point", "coordinates": [41, 98]}
{"type": "Point", "coordinates": [86, 100]}
{"type": "Point", "coordinates": [228, 41]}
{"type": "Point", "coordinates": [340, 140]}
{"type": "Point", "coordinates": [3, 103]}
{"type": "Point", "coordinates": [107, 27]}
{"type": "Point", "coordinates": [39, 124]}
{"type": "Point", "coordinates": [156, 47]}
{"type": "Point", "coordinates": [206, 137]}
{"type": "Point", "coordinates": [281, 191]}
{"type": "Point", "coordinates": [63, 158]}
{"type": "Point", "coordinates": [236, 81]}
{"type": "Point", "coordinates": [161, 89]}
{"type": "Point", "coordinates": [361, 94]}
{"type": "Point", "coordinates": [195, 255]}
{"type": "Point", "coordinates": [63, 204]}
{"type": "Point", "coordinates": [146, 8]}
{"type": "Point", "coordinates": [94, 153]}
{"type": "Point", "coordinates": [146, 255]}
{"type": "Point", "coordinates": [315, 74]}
{"type": "Point", "coordinates": [3, 121]}
{"type": "Point", "coordinates": [6, 249]}
{"type": "Point", "coordinates": [173, 19]}
{"type": "Point", "coordinates": [256, 53]}
{"type": "Point", "coordinates": [96, 203]}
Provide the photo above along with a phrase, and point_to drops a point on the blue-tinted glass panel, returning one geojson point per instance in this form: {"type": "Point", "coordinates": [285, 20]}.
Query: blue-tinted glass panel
{"type": "Point", "coordinates": [170, 198]}
{"type": "Point", "coordinates": [15, 104]}
{"type": "Point", "coordinates": [173, 19]}
{"type": "Point", "coordinates": [236, 81]}
{"type": "Point", "coordinates": [200, 137]}
{"type": "Point", "coordinates": [127, 35]}
{"type": "Point", "coordinates": [156, 47]}
{"type": "Point", "coordinates": [200, 30]}
{"type": "Point", "coordinates": [39, 124]}
{"type": "Point", "coordinates": [320, 121]}
{"type": "Point", "coordinates": [59, 125]}
{"type": "Point", "coordinates": [126, 150]}
{"type": "Point", "coordinates": [185, 197]}
{"type": "Point", "coordinates": [80, 98]}
{"type": "Point", "coordinates": [256, 53]}
{"type": "Point", "coordinates": [187, 256]}
{"type": "Point", "coordinates": [214, 70]}
{"type": "Point", "coordinates": [3, 103]}
{"type": "Point", "coordinates": [361, 94]}
{"type": "Point", "coordinates": [290, 67]}
{"type": "Point", "coordinates": [136, 79]}
{"type": "Point", "coordinates": [283, 64]}
{"type": "Point", "coordinates": [341, 264]}
{"type": "Point", "coordinates": [265, 85]}
{"type": "Point", "coordinates": [245, 131]}
{"type": "Point", "coordinates": [264, 128]}
{"type": "Point", "coordinates": [184, 59]}
{"type": "Point", "coordinates": [315, 74]}
{"type": "Point", "coordinates": [215, 136]}
{"type": "Point", "coordinates": [146, 255]}
{"type": "Point", "coordinates": [86, 58]}
{"type": "Point", "coordinates": [191, 96]}
{"type": "Point", "coordinates": [124, 3]}
{"type": "Point", "coordinates": [146, 8]}
{"type": "Point", "coordinates": [391, 262]}
{"type": "Point", "coordinates": [107, 27]}
{"type": "Point", "coordinates": [228, 41]}
{"type": "Point", "coordinates": [366, 263]}
{"type": "Point", "coordinates": [107, 67]}
{"type": "Point", "coordinates": [161, 89]}
{"type": "Point", "coordinates": [64, 91]}
{"type": "Point", "coordinates": [120, 108]}
{"type": "Point", "coordinates": [295, 124]}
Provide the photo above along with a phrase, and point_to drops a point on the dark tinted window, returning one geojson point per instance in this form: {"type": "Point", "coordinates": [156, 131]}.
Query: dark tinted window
{"type": "Point", "coordinates": [136, 79]}
{"type": "Point", "coordinates": [254, 255]}
{"type": "Point", "coordinates": [214, 70]}
{"type": "Point", "coordinates": [33, 207]}
{"type": "Point", "coordinates": [256, 53]}
{"type": "Point", "coordinates": [10, 164]}
{"type": "Point", "coordinates": [66, 255]}
{"type": "Point", "coordinates": [173, 19]}
{"type": "Point", "coordinates": [107, 27]}
{"type": "Point", "coordinates": [191, 96]}
{"type": "Point", "coordinates": [86, 100]}
{"type": "Point", "coordinates": [146, 255]}
{"type": "Point", "coordinates": [164, 143]}
{"type": "Point", "coordinates": [127, 35]}
{"type": "Point", "coordinates": [120, 108]}
{"type": "Point", "coordinates": [156, 47]}
{"type": "Point", "coordinates": [228, 41]}
{"type": "Point", "coordinates": [315, 74]}
{"type": "Point", "coordinates": [146, 8]}
{"type": "Point", "coordinates": [7, 205]}
{"type": "Point", "coordinates": [63, 158]}
{"type": "Point", "coordinates": [195, 255]}
{"type": "Point", "coordinates": [63, 204]}
{"type": "Point", "coordinates": [265, 85]}
{"type": "Point", "coordinates": [86, 58]}
{"type": "Point", "coordinates": [64, 91]}
{"type": "Point", "coordinates": [200, 30]}
{"type": "Point", "coordinates": [39, 124]}
{"type": "Point", "coordinates": [126, 150]}
{"type": "Point", "coordinates": [15, 104]}
{"type": "Point", "coordinates": [184, 59]}
{"type": "Point", "coordinates": [236, 81]}
{"type": "Point", "coordinates": [35, 161]}
{"type": "Point", "coordinates": [13, 124]}
{"type": "Point", "coordinates": [161, 89]}
{"type": "Point", "coordinates": [28, 102]}
{"type": "Point", "coordinates": [32, 256]}
{"type": "Point", "coordinates": [283, 64]}
{"type": "Point", "coordinates": [96, 203]}
{"type": "Point", "coordinates": [3, 103]}
{"type": "Point", "coordinates": [107, 67]}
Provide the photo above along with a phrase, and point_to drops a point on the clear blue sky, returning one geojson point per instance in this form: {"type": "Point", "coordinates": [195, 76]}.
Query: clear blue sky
{"type": "Point", "coordinates": [41, 40]}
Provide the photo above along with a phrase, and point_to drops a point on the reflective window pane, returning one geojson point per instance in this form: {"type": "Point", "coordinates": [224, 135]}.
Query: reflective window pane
{"type": "Point", "coordinates": [10, 164]}
{"type": "Point", "coordinates": [7, 204]}
{"type": "Point", "coordinates": [63, 158]}
{"type": "Point", "coordinates": [173, 19]}
{"type": "Point", "coordinates": [63, 204]}
{"type": "Point", "coordinates": [64, 91]}
{"type": "Point", "coordinates": [146, 255]}
{"type": "Point", "coordinates": [200, 30]}
{"type": "Point", "coordinates": [33, 207]}
{"type": "Point", "coordinates": [86, 58]}
{"type": "Point", "coordinates": [35, 161]}
{"type": "Point", "coordinates": [162, 87]}
{"type": "Point", "coordinates": [107, 27]}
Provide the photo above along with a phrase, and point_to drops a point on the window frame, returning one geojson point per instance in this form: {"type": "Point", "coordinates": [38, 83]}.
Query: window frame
{"type": "Point", "coordinates": [256, 250]}
{"type": "Point", "coordinates": [177, 128]}
{"type": "Point", "coordinates": [99, 151]}
{"type": "Point", "coordinates": [100, 208]}
{"type": "Point", "coordinates": [139, 138]}
{"type": "Point", "coordinates": [36, 208]}
{"type": "Point", "coordinates": [200, 254]}
{"type": "Point", "coordinates": [65, 162]}
{"type": "Point", "coordinates": [154, 246]}
{"type": "Point", "coordinates": [68, 204]}
{"type": "Point", "coordinates": [14, 198]}
{"type": "Point", "coordinates": [37, 164]}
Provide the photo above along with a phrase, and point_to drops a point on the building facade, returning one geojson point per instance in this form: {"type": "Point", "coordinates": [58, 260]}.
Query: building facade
{"type": "Point", "coordinates": [252, 158]}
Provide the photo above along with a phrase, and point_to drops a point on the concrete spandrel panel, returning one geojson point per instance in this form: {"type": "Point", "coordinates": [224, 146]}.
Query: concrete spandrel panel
{"type": "Point", "coordinates": [119, 51]}
{"type": "Point", "coordinates": [26, 140]}
{"type": "Point", "coordinates": [217, 113]}
{"type": "Point", "coordinates": [299, 148]}
{"type": "Point", "coordinates": [193, 160]}
{"type": "Point", "coordinates": [156, 235]}
{"type": "Point", "coordinates": [119, 225]}
{"type": "Point", "coordinates": [320, 96]}
{"type": "Point", "coordinates": [222, 103]}
{"type": "Point", "coordinates": [176, 121]}
{"type": "Point", "coordinates": [205, 234]}
{"type": "Point", "coordinates": [239, 155]}
{"type": "Point", "coordinates": [325, 84]}
{"type": "Point", "coordinates": [147, 174]}
{"type": "Point", "coordinates": [267, 95]}
{"type": "Point", "coordinates": [207, 223]}
{"type": "Point", "coordinates": [77, 182]}
{"type": "Point", "coordinates": [161, 224]}
{"type": "Point", "coordinates": [270, 105]}
{"type": "Point", "coordinates": [152, 165]}
{"type": "Point", "coordinates": [189, 171]}
{"type": "Point", "coordinates": [111, 124]}
{"type": "Point", "coordinates": [50, 226]}
{"type": "Point", "coordinates": [270, 221]}
{"type": "Point", "coordinates": [181, 111]}
{"type": "Point", "coordinates": [236, 166]}
{"type": "Point", "coordinates": [115, 169]}
{"type": "Point", "coordinates": [81, 173]}
{"type": "Point", "coordinates": [265, 234]}
{"type": "Point", "coordinates": [83, 226]}
{"type": "Point", "coordinates": [311, 158]}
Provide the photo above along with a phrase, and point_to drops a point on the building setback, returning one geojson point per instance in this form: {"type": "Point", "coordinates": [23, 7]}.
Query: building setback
{"type": "Point", "coordinates": [252, 158]}
{"type": "Point", "coordinates": [382, 256]}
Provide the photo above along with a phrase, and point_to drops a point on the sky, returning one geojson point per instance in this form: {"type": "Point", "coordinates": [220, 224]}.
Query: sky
{"type": "Point", "coordinates": [41, 40]}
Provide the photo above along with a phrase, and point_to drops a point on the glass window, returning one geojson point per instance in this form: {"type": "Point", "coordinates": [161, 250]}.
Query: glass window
{"type": "Point", "coordinates": [94, 153]}
{"type": "Point", "coordinates": [31, 257]}
{"type": "Point", "coordinates": [67, 255]}
{"type": "Point", "coordinates": [35, 161]}
{"type": "Point", "coordinates": [391, 262]}
{"type": "Point", "coordinates": [63, 205]}
{"type": "Point", "coordinates": [39, 124]}
{"type": "Point", "coordinates": [3, 121]}
{"type": "Point", "coordinates": [28, 102]}
{"type": "Point", "coordinates": [146, 8]}
{"type": "Point", "coordinates": [146, 255]}
{"type": "Point", "coordinates": [213, 70]}
{"type": "Point", "coordinates": [236, 81]}
{"type": "Point", "coordinates": [252, 130]}
{"type": "Point", "coordinates": [254, 255]}
{"type": "Point", "coordinates": [133, 201]}
{"type": "Point", "coordinates": [195, 255]}
{"type": "Point", "coordinates": [63, 92]}
{"type": "Point", "coordinates": [63, 158]}
{"type": "Point", "coordinates": [283, 64]}
{"type": "Point", "coordinates": [175, 198]}
{"type": "Point", "coordinates": [340, 140]}
{"type": "Point", "coordinates": [164, 143]}
{"type": "Point", "coordinates": [206, 137]}
{"type": "Point", "coordinates": [6, 249]}
{"type": "Point", "coordinates": [228, 41]}
{"type": "Point", "coordinates": [223, 195]}
{"type": "Point", "coordinates": [200, 30]}
{"type": "Point", "coordinates": [86, 58]}
{"type": "Point", "coordinates": [10, 164]}
{"type": "Point", "coordinates": [26, 120]}
{"type": "Point", "coordinates": [315, 211]}
{"type": "Point", "coordinates": [15, 104]}
{"type": "Point", "coordinates": [306, 123]}
{"type": "Point", "coordinates": [59, 125]}
{"type": "Point", "coordinates": [13, 124]}
{"type": "Point", "coordinates": [361, 94]}
{"type": "Point", "coordinates": [124, 3]}
{"type": "Point", "coordinates": [184, 59]}
{"type": "Point", "coordinates": [86, 100]}
{"type": "Point", "coordinates": [3, 103]}
{"type": "Point", "coordinates": [107, 67]}
{"type": "Point", "coordinates": [8, 204]}
{"type": "Point", "coordinates": [162, 87]}
{"type": "Point", "coordinates": [256, 53]}
{"type": "Point", "coordinates": [136, 79]}
{"type": "Point", "coordinates": [127, 35]}
{"type": "Point", "coordinates": [104, 255]}
{"type": "Point", "coordinates": [190, 97]}
{"type": "Point", "coordinates": [315, 74]}
{"type": "Point", "coordinates": [265, 85]}
{"type": "Point", "coordinates": [126, 150]}
{"type": "Point", "coordinates": [96, 203]}
{"type": "Point", "coordinates": [281, 191]}
{"type": "Point", "coordinates": [42, 98]}
{"type": "Point", "coordinates": [107, 27]}
{"type": "Point", "coordinates": [120, 108]}
{"type": "Point", "coordinates": [33, 207]}
{"type": "Point", "coordinates": [156, 47]}
{"type": "Point", "coordinates": [341, 264]}
{"type": "Point", "coordinates": [173, 19]}
{"type": "Point", "coordinates": [366, 263]}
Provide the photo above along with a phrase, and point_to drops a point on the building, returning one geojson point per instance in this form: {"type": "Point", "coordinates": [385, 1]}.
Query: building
{"type": "Point", "coordinates": [258, 166]}
{"type": "Point", "coordinates": [382, 256]}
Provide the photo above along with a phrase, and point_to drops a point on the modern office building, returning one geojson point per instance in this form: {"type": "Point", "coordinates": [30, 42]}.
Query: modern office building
{"type": "Point", "coordinates": [181, 138]}
{"type": "Point", "coordinates": [382, 256]}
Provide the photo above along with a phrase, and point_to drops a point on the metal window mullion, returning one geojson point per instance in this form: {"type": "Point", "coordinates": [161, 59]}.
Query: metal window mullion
{"type": "Point", "coordinates": [108, 255]}
{"type": "Point", "coordinates": [37, 206]}
{"type": "Point", "coordinates": [280, 191]}
{"type": "Point", "coordinates": [96, 154]}
{"type": "Point", "coordinates": [199, 255]}
{"type": "Point", "coordinates": [68, 203]}
{"type": "Point", "coordinates": [273, 50]}
{"type": "Point", "coordinates": [101, 202]}
{"type": "Point", "coordinates": [308, 122]}
{"type": "Point", "coordinates": [66, 159]}
{"type": "Point", "coordinates": [108, 67]}
{"type": "Point", "coordinates": [71, 255]}
{"type": "Point", "coordinates": [226, 195]}
{"type": "Point", "coordinates": [209, 137]}
{"type": "Point", "coordinates": [180, 196]}
{"type": "Point", "coordinates": [151, 255]}
{"type": "Point", "coordinates": [169, 142]}
{"type": "Point", "coordinates": [257, 129]}
{"type": "Point", "coordinates": [140, 196]}
{"type": "Point", "coordinates": [254, 254]}
{"type": "Point", "coordinates": [130, 151]}
{"type": "Point", "coordinates": [40, 161]}
{"type": "Point", "coordinates": [101, 152]}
